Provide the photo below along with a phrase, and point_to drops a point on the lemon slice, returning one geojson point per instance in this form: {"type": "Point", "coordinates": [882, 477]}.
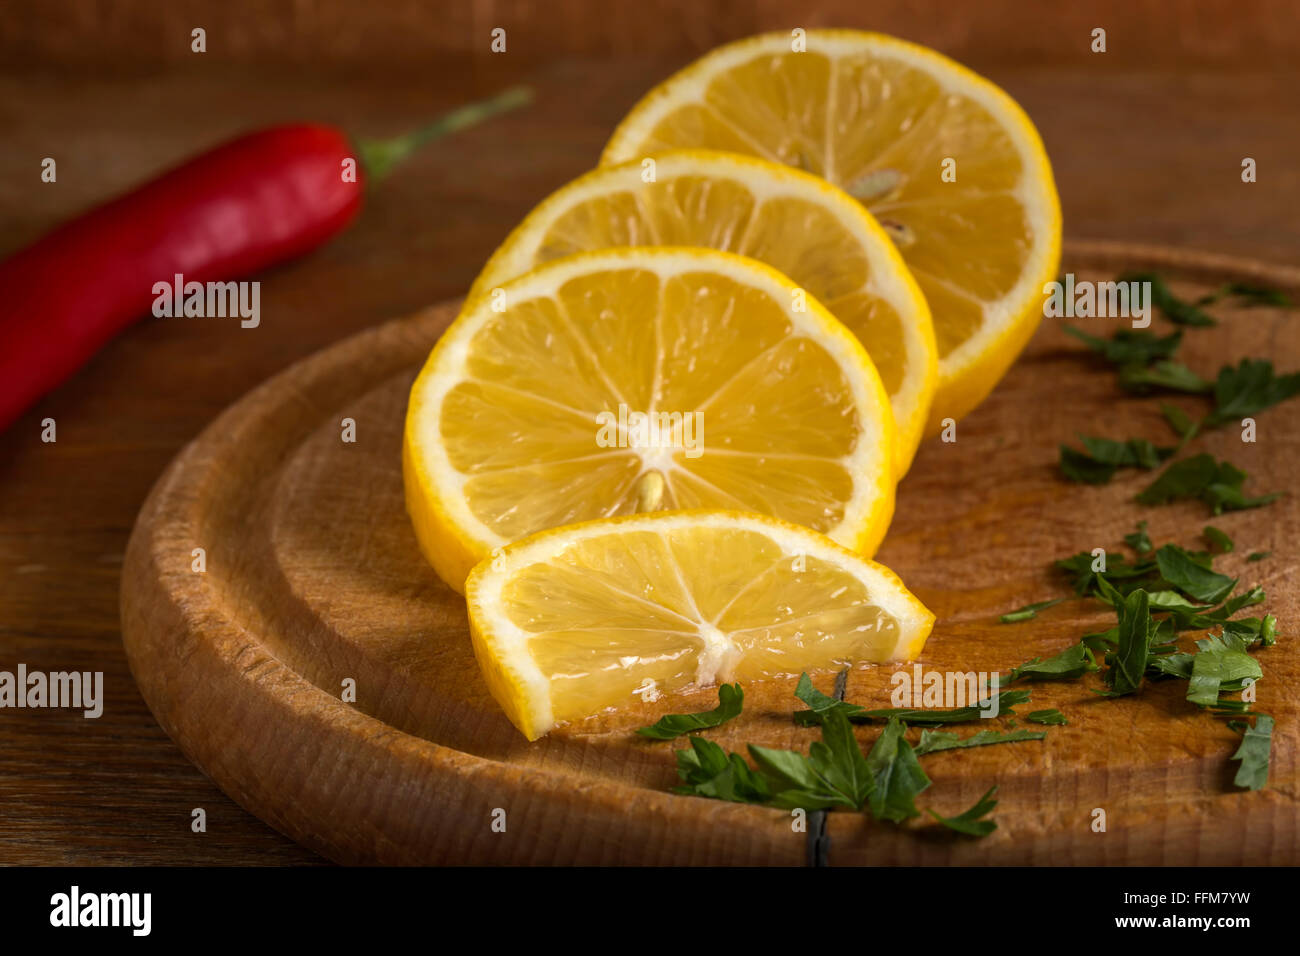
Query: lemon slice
{"type": "Point", "coordinates": [890, 122]}
{"type": "Point", "coordinates": [540, 414]}
{"type": "Point", "coordinates": [575, 620]}
{"type": "Point", "coordinates": [816, 234]}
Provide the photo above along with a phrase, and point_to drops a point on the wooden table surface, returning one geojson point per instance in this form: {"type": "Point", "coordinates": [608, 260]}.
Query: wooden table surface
{"type": "Point", "coordinates": [1151, 156]}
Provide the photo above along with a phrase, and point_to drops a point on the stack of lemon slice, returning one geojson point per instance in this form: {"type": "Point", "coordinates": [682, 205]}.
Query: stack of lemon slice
{"type": "Point", "coordinates": [662, 438]}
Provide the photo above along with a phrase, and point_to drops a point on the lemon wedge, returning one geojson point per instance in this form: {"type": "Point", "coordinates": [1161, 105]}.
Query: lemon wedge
{"type": "Point", "coordinates": [575, 620]}
{"type": "Point", "coordinates": [949, 165]}
{"type": "Point", "coordinates": [798, 223]}
{"type": "Point", "coordinates": [639, 380]}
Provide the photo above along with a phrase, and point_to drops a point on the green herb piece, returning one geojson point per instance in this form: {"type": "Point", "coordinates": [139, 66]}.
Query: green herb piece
{"type": "Point", "coordinates": [709, 771]}
{"type": "Point", "coordinates": [833, 774]}
{"type": "Point", "coordinates": [1196, 620]}
{"type": "Point", "coordinates": [1218, 539]}
{"type": "Point", "coordinates": [1180, 569]}
{"type": "Point", "coordinates": [1166, 374]}
{"type": "Point", "coordinates": [1218, 484]}
{"type": "Point", "coordinates": [969, 822]}
{"type": "Point", "coordinates": [921, 717]}
{"type": "Point", "coordinates": [1255, 295]}
{"type": "Point", "coordinates": [1071, 663]}
{"type": "Point", "coordinates": [1248, 389]}
{"type": "Point", "coordinates": [1220, 666]}
{"type": "Point", "coordinates": [1130, 346]}
{"type": "Point", "coordinates": [1171, 665]}
{"type": "Point", "coordinates": [1097, 464]}
{"type": "Point", "coordinates": [1101, 640]}
{"type": "Point", "coordinates": [1134, 453]}
{"type": "Point", "coordinates": [819, 704]}
{"type": "Point", "coordinates": [1173, 601]}
{"type": "Point", "coordinates": [1128, 662]}
{"type": "Point", "coordinates": [1258, 555]}
{"type": "Point", "coordinates": [1138, 540]}
{"type": "Point", "coordinates": [1251, 629]}
{"type": "Point", "coordinates": [1182, 423]}
{"type": "Point", "coordinates": [1164, 634]}
{"type": "Point", "coordinates": [1253, 753]}
{"type": "Point", "coordinates": [1225, 492]}
{"type": "Point", "coordinates": [1052, 717]}
{"type": "Point", "coordinates": [933, 741]}
{"type": "Point", "coordinates": [1176, 310]}
{"type": "Point", "coordinates": [1227, 705]}
{"type": "Point", "coordinates": [838, 759]}
{"type": "Point", "coordinates": [1029, 611]}
{"type": "Point", "coordinates": [731, 700]}
{"type": "Point", "coordinates": [1080, 467]}
{"type": "Point", "coordinates": [896, 773]}
{"type": "Point", "coordinates": [1118, 571]}
{"type": "Point", "coordinates": [1183, 479]}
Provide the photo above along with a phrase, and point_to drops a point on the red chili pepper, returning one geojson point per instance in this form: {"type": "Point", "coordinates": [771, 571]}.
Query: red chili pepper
{"type": "Point", "coordinates": [253, 202]}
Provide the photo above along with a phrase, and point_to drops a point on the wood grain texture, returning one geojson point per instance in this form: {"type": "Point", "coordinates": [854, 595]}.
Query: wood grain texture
{"type": "Point", "coordinates": [313, 576]}
{"type": "Point", "coordinates": [407, 34]}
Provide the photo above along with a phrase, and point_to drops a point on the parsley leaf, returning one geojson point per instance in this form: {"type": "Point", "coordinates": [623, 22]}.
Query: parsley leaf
{"type": "Point", "coordinates": [1218, 484]}
{"type": "Point", "coordinates": [1183, 479]}
{"type": "Point", "coordinates": [1053, 717]}
{"type": "Point", "coordinates": [919, 716]}
{"type": "Point", "coordinates": [1176, 310]}
{"type": "Point", "coordinates": [1096, 465]}
{"type": "Point", "coordinates": [1258, 555]}
{"type": "Point", "coordinates": [1195, 580]}
{"type": "Point", "coordinates": [1218, 539]}
{"type": "Point", "coordinates": [731, 700]}
{"type": "Point", "coordinates": [819, 704]}
{"type": "Point", "coordinates": [1165, 374]}
{"type": "Point", "coordinates": [969, 822]}
{"type": "Point", "coordinates": [1029, 611]}
{"type": "Point", "coordinates": [1221, 665]}
{"type": "Point", "coordinates": [838, 759]}
{"type": "Point", "coordinates": [1255, 295]}
{"type": "Point", "coordinates": [1184, 426]}
{"type": "Point", "coordinates": [1130, 346]}
{"type": "Point", "coordinates": [1138, 540]}
{"type": "Point", "coordinates": [933, 741]}
{"type": "Point", "coordinates": [1252, 629]}
{"type": "Point", "coordinates": [1118, 573]}
{"type": "Point", "coordinates": [1128, 662]}
{"type": "Point", "coordinates": [1249, 388]}
{"type": "Point", "coordinates": [896, 772]}
{"type": "Point", "coordinates": [1073, 662]}
{"type": "Point", "coordinates": [709, 771]}
{"type": "Point", "coordinates": [1253, 753]}
{"type": "Point", "coordinates": [1225, 492]}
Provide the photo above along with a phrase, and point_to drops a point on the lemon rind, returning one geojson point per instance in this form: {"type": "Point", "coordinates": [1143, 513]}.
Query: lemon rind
{"type": "Point", "coordinates": [969, 373]}
{"type": "Point", "coordinates": [888, 276]}
{"type": "Point", "coordinates": [452, 538]}
{"type": "Point", "coordinates": [501, 645]}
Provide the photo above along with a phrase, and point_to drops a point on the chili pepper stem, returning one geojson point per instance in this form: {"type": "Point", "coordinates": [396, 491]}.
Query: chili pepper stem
{"type": "Point", "coordinates": [378, 157]}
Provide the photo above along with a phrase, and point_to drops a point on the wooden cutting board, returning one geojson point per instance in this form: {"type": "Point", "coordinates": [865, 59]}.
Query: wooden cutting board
{"type": "Point", "coordinates": [313, 579]}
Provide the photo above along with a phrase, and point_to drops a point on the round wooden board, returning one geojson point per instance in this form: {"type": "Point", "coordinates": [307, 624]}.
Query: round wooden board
{"type": "Point", "coordinates": [313, 578]}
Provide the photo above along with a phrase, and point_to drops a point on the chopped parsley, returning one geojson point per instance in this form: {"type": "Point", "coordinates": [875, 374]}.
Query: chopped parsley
{"type": "Point", "coordinates": [731, 700]}
{"type": "Point", "coordinates": [1256, 742]}
{"type": "Point", "coordinates": [1176, 310]}
{"type": "Point", "coordinates": [1218, 484]}
{"type": "Point", "coordinates": [1029, 611]}
{"type": "Point", "coordinates": [969, 822]}
{"type": "Point", "coordinates": [1097, 463]}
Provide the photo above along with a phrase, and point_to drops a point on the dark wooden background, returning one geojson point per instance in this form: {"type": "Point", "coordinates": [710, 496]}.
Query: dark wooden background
{"type": "Point", "coordinates": [1146, 140]}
